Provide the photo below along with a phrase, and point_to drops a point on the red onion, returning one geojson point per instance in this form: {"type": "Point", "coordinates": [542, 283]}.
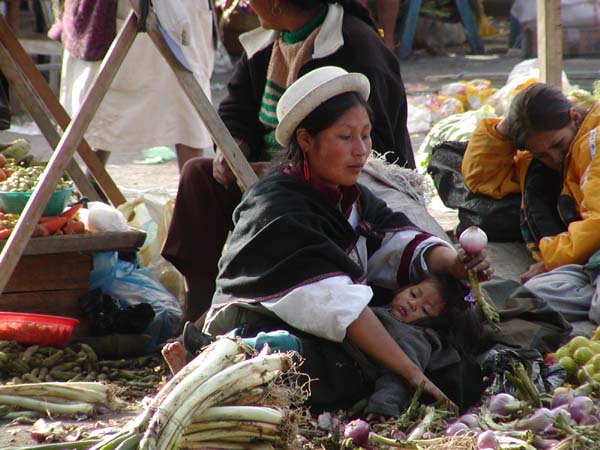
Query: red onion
{"type": "Point", "coordinates": [562, 397]}
{"type": "Point", "coordinates": [580, 407]}
{"type": "Point", "coordinates": [589, 420]}
{"type": "Point", "coordinates": [358, 431]}
{"type": "Point", "coordinates": [539, 421]}
{"type": "Point", "coordinates": [456, 428]}
{"type": "Point", "coordinates": [473, 240]}
{"type": "Point", "coordinates": [428, 435]}
{"type": "Point", "coordinates": [469, 420]}
{"type": "Point", "coordinates": [544, 444]}
{"type": "Point", "coordinates": [487, 439]}
{"type": "Point", "coordinates": [503, 404]}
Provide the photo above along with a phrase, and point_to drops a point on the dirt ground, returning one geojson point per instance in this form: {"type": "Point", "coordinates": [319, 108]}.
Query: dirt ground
{"type": "Point", "coordinates": [429, 72]}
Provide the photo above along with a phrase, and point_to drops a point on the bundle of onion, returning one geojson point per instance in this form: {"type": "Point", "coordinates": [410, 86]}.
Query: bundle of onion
{"type": "Point", "coordinates": [188, 411]}
{"type": "Point", "coordinates": [55, 399]}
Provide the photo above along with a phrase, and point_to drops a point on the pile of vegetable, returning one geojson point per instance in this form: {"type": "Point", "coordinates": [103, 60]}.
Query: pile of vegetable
{"type": "Point", "coordinates": [18, 151]}
{"type": "Point", "coordinates": [66, 223]}
{"type": "Point", "coordinates": [227, 397]}
{"type": "Point", "coordinates": [74, 399]}
{"type": "Point", "coordinates": [581, 358]}
{"type": "Point", "coordinates": [24, 178]}
{"type": "Point", "coordinates": [35, 364]}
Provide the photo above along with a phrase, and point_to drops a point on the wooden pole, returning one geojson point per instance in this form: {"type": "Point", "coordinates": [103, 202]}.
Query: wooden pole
{"type": "Point", "coordinates": [59, 115]}
{"type": "Point", "coordinates": [215, 126]}
{"type": "Point", "coordinates": [28, 97]}
{"type": "Point", "coordinates": [549, 38]}
{"type": "Point", "coordinates": [12, 251]}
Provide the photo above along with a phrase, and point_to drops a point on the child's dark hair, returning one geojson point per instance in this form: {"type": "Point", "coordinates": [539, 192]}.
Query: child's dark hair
{"type": "Point", "coordinates": [460, 320]}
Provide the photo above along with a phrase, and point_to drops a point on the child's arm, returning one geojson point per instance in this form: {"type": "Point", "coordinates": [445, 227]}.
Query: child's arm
{"type": "Point", "coordinates": [369, 335]}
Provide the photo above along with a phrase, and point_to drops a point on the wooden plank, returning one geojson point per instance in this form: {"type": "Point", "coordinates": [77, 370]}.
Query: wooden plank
{"type": "Point", "coordinates": [51, 273]}
{"type": "Point", "coordinates": [215, 126]}
{"type": "Point", "coordinates": [31, 101]}
{"type": "Point", "coordinates": [12, 14]}
{"type": "Point", "coordinates": [17, 241]}
{"type": "Point", "coordinates": [59, 115]}
{"type": "Point", "coordinates": [549, 37]}
{"type": "Point", "coordinates": [40, 45]}
{"type": "Point", "coordinates": [86, 242]}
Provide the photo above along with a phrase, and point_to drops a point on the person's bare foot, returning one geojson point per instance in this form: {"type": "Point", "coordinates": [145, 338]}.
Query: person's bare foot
{"type": "Point", "coordinates": [175, 355]}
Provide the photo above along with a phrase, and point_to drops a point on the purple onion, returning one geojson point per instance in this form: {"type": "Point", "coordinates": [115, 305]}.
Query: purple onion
{"type": "Point", "coordinates": [503, 404]}
{"type": "Point", "coordinates": [456, 428]}
{"type": "Point", "coordinates": [428, 435]}
{"type": "Point", "coordinates": [563, 397]}
{"type": "Point", "coordinates": [487, 439]}
{"type": "Point", "coordinates": [399, 435]}
{"type": "Point", "coordinates": [580, 407]}
{"type": "Point", "coordinates": [590, 419]}
{"type": "Point", "coordinates": [469, 420]}
{"type": "Point", "coordinates": [358, 431]}
{"type": "Point", "coordinates": [540, 420]}
{"type": "Point", "coordinates": [544, 444]}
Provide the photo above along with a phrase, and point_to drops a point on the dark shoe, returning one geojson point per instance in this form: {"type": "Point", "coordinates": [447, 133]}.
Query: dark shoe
{"type": "Point", "coordinates": [194, 339]}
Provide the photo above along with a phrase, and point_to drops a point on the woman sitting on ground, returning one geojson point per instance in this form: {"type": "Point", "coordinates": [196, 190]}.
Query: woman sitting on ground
{"type": "Point", "coordinates": [559, 177]}
{"type": "Point", "coordinates": [308, 240]}
{"type": "Point", "coordinates": [545, 148]}
{"type": "Point", "coordinates": [296, 36]}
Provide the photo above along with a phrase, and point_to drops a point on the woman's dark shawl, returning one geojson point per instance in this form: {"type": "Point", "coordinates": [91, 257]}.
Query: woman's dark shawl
{"type": "Point", "coordinates": [288, 234]}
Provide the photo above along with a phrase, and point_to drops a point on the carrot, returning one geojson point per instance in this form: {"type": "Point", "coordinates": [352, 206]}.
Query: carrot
{"type": "Point", "coordinates": [46, 219]}
{"type": "Point", "coordinates": [4, 234]}
{"type": "Point", "coordinates": [52, 226]}
{"type": "Point", "coordinates": [73, 227]}
{"type": "Point", "coordinates": [72, 211]}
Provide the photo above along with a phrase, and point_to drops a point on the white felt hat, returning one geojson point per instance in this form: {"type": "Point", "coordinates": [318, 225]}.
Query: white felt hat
{"type": "Point", "coordinates": [312, 90]}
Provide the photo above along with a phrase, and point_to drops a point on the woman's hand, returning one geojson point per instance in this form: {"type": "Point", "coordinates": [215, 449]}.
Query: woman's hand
{"type": "Point", "coordinates": [477, 262]}
{"type": "Point", "coordinates": [534, 269]}
{"type": "Point", "coordinates": [433, 391]}
{"type": "Point", "coordinates": [221, 171]}
{"type": "Point", "coordinates": [445, 259]}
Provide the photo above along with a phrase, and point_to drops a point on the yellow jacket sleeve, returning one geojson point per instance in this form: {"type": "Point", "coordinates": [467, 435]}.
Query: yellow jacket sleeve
{"type": "Point", "coordinates": [491, 164]}
{"type": "Point", "coordinates": [582, 183]}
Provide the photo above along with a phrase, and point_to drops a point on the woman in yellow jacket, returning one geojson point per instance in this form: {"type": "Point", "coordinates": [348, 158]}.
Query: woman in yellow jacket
{"type": "Point", "coordinates": [564, 139]}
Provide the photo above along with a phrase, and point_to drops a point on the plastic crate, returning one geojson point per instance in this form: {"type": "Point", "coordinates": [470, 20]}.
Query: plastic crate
{"type": "Point", "coordinates": [26, 328]}
{"type": "Point", "coordinates": [14, 202]}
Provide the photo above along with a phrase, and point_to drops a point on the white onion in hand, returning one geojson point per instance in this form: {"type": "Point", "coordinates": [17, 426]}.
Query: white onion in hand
{"type": "Point", "coordinates": [473, 240]}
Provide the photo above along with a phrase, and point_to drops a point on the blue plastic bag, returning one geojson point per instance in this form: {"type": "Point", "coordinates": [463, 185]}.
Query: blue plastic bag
{"type": "Point", "coordinates": [131, 285]}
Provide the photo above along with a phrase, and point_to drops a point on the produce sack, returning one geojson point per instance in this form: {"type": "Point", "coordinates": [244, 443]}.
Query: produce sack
{"type": "Point", "coordinates": [107, 316]}
{"type": "Point", "coordinates": [545, 377]}
{"type": "Point", "coordinates": [500, 219]}
{"type": "Point", "coordinates": [131, 285]}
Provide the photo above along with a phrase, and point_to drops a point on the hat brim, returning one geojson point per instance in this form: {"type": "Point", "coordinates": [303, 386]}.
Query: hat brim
{"type": "Point", "coordinates": [351, 82]}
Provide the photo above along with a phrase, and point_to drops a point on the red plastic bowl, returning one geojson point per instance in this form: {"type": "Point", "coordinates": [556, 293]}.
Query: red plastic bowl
{"type": "Point", "coordinates": [26, 328]}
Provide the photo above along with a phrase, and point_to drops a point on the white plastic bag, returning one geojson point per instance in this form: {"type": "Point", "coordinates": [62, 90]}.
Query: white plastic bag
{"type": "Point", "coordinates": [103, 217]}
{"type": "Point", "coordinates": [152, 214]}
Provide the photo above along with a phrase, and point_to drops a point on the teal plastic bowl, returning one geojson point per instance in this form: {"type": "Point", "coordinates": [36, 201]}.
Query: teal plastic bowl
{"type": "Point", "coordinates": [14, 202]}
